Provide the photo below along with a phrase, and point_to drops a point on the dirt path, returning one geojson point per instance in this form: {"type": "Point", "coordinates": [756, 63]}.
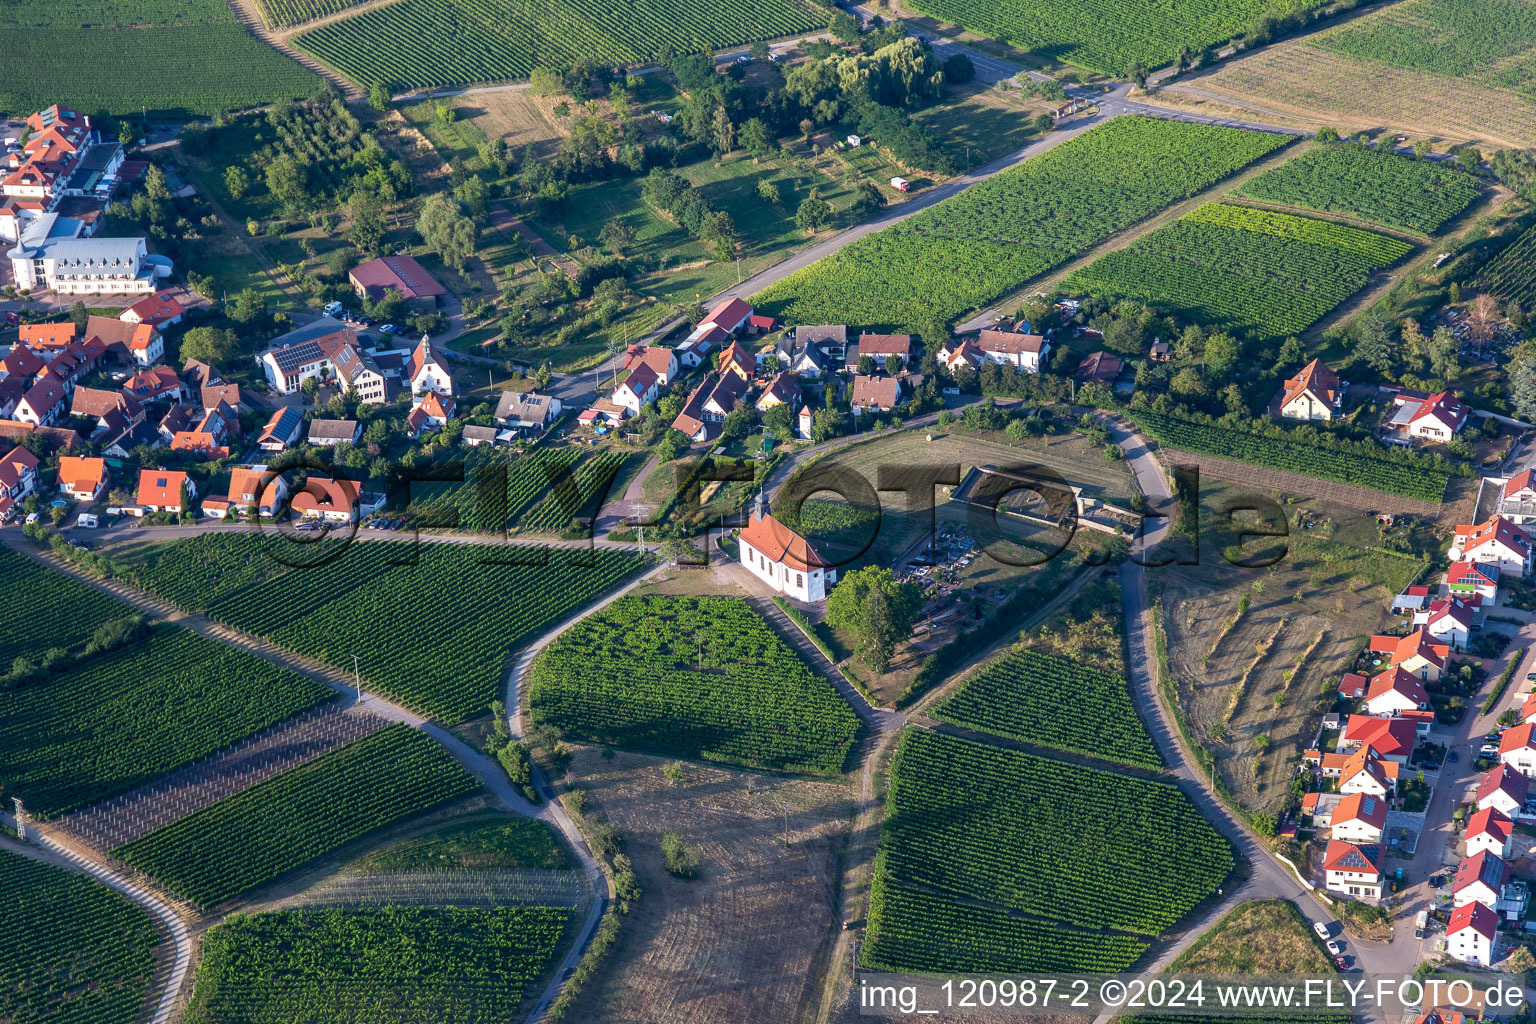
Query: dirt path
{"type": "Point", "coordinates": [249, 15]}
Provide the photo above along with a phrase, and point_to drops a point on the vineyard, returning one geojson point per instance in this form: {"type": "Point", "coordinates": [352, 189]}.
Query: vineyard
{"type": "Point", "coordinates": [1361, 464]}
{"type": "Point", "coordinates": [1512, 273]}
{"type": "Point", "coordinates": [498, 487]}
{"type": "Point", "coordinates": [282, 13]}
{"type": "Point", "coordinates": [1106, 36]}
{"type": "Point", "coordinates": [75, 951]}
{"type": "Point", "coordinates": [281, 824]}
{"type": "Point", "coordinates": [61, 610]}
{"type": "Point", "coordinates": [1014, 830]}
{"type": "Point", "coordinates": [973, 248]}
{"type": "Point", "coordinates": [452, 616]}
{"type": "Point", "coordinates": [701, 677]}
{"type": "Point", "coordinates": [577, 496]}
{"type": "Point", "coordinates": [113, 722]}
{"type": "Point", "coordinates": [1053, 702]}
{"type": "Point", "coordinates": [913, 930]}
{"type": "Point", "coordinates": [1261, 273]}
{"type": "Point", "coordinates": [1488, 42]}
{"type": "Point", "coordinates": [420, 43]}
{"type": "Point", "coordinates": [1368, 184]}
{"type": "Point", "coordinates": [189, 58]}
{"type": "Point", "coordinates": [391, 965]}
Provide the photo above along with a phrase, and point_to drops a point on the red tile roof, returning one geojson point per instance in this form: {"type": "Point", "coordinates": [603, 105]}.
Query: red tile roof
{"type": "Point", "coordinates": [728, 314]}
{"type": "Point", "coordinates": [1492, 822]}
{"type": "Point", "coordinates": [155, 310]}
{"type": "Point", "coordinates": [1518, 738]}
{"type": "Point", "coordinates": [1503, 779]}
{"type": "Point", "coordinates": [1360, 807]}
{"type": "Point", "coordinates": [781, 544]}
{"type": "Point", "coordinates": [1477, 916]}
{"type": "Point", "coordinates": [160, 487]}
{"type": "Point", "coordinates": [1395, 679]}
{"type": "Point", "coordinates": [1443, 406]}
{"type": "Point", "coordinates": [1473, 573]}
{"type": "Point", "coordinates": [48, 335]}
{"type": "Point", "coordinates": [1389, 737]}
{"type": "Point", "coordinates": [1342, 856]}
{"type": "Point", "coordinates": [80, 474]}
{"type": "Point", "coordinates": [1316, 378]}
{"type": "Point", "coordinates": [1496, 528]}
{"type": "Point", "coordinates": [1481, 867]}
{"type": "Point", "coordinates": [400, 272]}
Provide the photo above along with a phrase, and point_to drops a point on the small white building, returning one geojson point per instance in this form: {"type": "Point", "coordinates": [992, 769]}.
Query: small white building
{"type": "Point", "coordinates": [783, 559]}
{"type": "Point", "coordinates": [1502, 789]}
{"type": "Point", "coordinates": [641, 386]}
{"type": "Point", "coordinates": [18, 479]}
{"type": "Point", "coordinates": [1316, 393]}
{"type": "Point", "coordinates": [1353, 870]}
{"type": "Point", "coordinates": [1027, 352]}
{"type": "Point", "coordinates": [1469, 936]}
{"type": "Point", "coordinates": [805, 424]}
{"type": "Point", "coordinates": [1517, 749]}
{"type": "Point", "coordinates": [1358, 818]}
{"type": "Point", "coordinates": [1395, 691]}
{"type": "Point", "coordinates": [428, 372]}
{"type": "Point", "coordinates": [1481, 879]}
{"type": "Point", "coordinates": [1490, 831]}
{"type": "Point", "coordinates": [1498, 542]}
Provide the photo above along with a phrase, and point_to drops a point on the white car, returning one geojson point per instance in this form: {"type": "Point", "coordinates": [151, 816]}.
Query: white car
{"type": "Point", "coordinates": [1320, 928]}
{"type": "Point", "coordinates": [32, 517]}
{"type": "Point", "coordinates": [1335, 948]}
{"type": "Point", "coordinates": [743, 59]}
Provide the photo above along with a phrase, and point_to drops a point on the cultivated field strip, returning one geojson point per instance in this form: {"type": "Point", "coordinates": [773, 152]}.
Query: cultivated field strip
{"type": "Point", "coordinates": [458, 888]}
{"type": "Point", "coordinates": [126, 817]}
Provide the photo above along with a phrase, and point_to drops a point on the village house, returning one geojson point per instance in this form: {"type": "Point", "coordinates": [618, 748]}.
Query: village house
{"type": "Point", "coordinates": [737, 360]}
{"type": "Point", "coordinates": [83, 479]}
{"type": "Point", "coordinates": [1451, 620]}
{"type": "Point", "coordinates": [1316, 393]}
{"type": "Point", "coordinates": [1437, 417]}
{"type": "Point", "coordinates": [252, 488]}
{"type": "Point", "coordinates": [1469, 935]}
{"type": "Point", "coordinates": [374, 279]}
{"type": "Point", "coordinates": [475, 435]}
{"type": "Point", "coordinates": [1027, 352]}
{"type": "Point", "coordinates": [1353, 686]}
{"type": "Point", "coordinates": [696, 349]}
{"type": "Point", "coordinates": [782, 390]}
{"type": "Point", "coordinates": [322, 497]}
{"type": "Point", "coordinates": [662, 361]}
{"type": "Point", "coordinates": [641, 386]}
{"type": "Point", "coordinates": [829, 338]}
{"type": "Point", "coordinates": [881, 348]}
{"type": "Point", "coordinates": [133, 342]}
{"type": "Point", "coordinates": [1099, 368]}
{"type": "Point", "coordinates": [282, 430]}
{"type": "Point", "coordinates": [330, 433]}
{"type": "Point", "coordinates": [1480, 878]}
{"type": "Point", "coordinates": [1395, 691]}
{"type": "Point", "coordinates": [804, 357]}
{"type": "Point", "coordinates": [527, 411]}
{"type": "Point", "coordinates": [18, 479]}
{"type": "Point", "coordinates": [160, 490]}
{"type": "Point", "coordinates": [431, 412]}
{"type": "Point", "coordinates": [1517, 748]}
{"type": "Point", "coordinates": [208, 437]}
{"type": "Point", "coordinates": [115, 413]}
{"type": "Point", "coordinates": [1392, 738]}
{"type": "Point", "coordinates": [959, 353]}
{"type": "Point", "coordinates": [874, 394]}
{"type": "Point", "coordinates": [1471, 579]}
{"type": "Point", "coordinates": [1353, 870]}
{"type": "Point", "coordinates": [1358, 818]}
{"type": "Point", "coordinates": [1503, 789]}
{"type": "Point", "coordinates": [428, 372]}
{"type": "Point", "coordinates": [1416, 654]}
{"type": "Point", "coordinates": [783, 559]}
{"type": "Point", "coordinates": [43, 405]}
{"type": "Point", "coordinates": [1517, 497]}
{"type": "Point", "coordinates": [729, 316]}
{"type": "Point", "coordinates": [325, 352]}
{"type": "Point", "coordinates": [1365, 772]}
{"type": "Point", "coordinates": [1491, 831]}
{"type": "Point", "coordinates": [1498, 542]}
{"type": "Point", "coordinates": [155, 383]}
{"type": "Point", "coordinates": [21, 364]}
{"type": "Point", "coordinates": [709, 404]}
{"type": "Point", "coordinates": [159, 310]}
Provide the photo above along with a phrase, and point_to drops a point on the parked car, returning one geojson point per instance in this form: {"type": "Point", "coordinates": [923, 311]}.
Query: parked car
{"type": "Point", "coordinates": [1341, 963]}
{"type": "Point", "coordinates": [1452, 757]}
{"type": "Point", "coordinates": [743, 59]}
{"type": "Point", "coordinates": [773, 57]}
{"type": "Point", "coordinates": [32, 517]}
{"type": "Point", "coordinates": [1335, 947]}
{"type": "Point", "coordinates": [1488, 750]}
{"type": "Point", "coordinates": [1320, 928]}
{"type": "Point", "coordinates": [332, 309]}
{"type": "Point", "coordinates": [391, 329]}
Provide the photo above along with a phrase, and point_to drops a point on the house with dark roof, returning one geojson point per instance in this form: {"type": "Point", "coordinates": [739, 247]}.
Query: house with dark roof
{"type": "Point", "coordinates": [329, 433]}
{"type": "Point", "coordinates": [18, 479]}
{"type": "Point", "coordinates": [1480, 878]}
{"type": "Point", "coordinates": [373, 279]}
{"type": "Point", "coordinates": [784, 389]}
{"type": "Point", "coordinates": [282, 430]}
{"type": "Point", "coordinates": [1353, 869]}
{"type": "Point", "coordinates": [1100, 368]}
{"type": "Point", "coordinates": [326, 352]}
{"type": "Point", "coordinates": [1503, 789]}
{"type": "Point", "coordinates": [882, 347]}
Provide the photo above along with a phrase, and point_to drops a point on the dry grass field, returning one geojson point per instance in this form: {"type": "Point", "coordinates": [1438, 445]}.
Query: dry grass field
{"type": "Point", "coordinates": [1257, 937]}
{"type": "Point", "coordinates": [744, 943]}
{"type": "Point", "coordinates": [1254, 650]}
{"type": "Point", "coordinates": [1355, 94]}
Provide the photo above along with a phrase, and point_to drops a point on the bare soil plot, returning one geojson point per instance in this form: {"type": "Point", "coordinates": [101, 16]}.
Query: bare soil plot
{"type": "Point", "coordinates": [744, 942]}
{"type": "Point", "coordinates": [1255, 651]}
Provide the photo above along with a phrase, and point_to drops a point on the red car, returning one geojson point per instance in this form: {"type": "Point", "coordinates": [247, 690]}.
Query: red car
{"type": "Point", "coordinates": [1341, 963]}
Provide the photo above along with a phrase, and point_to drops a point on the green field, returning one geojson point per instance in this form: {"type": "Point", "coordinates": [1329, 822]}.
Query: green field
{"type": "Point", "coordinates": [61, 610]}
{"type": "Point", "coordinates": [391, 965]}
{"type": "Point", "coordinates": [1482, 42]}
{"type": "Point", "coordinates": [115, 721]}
{"type": "Point", "coordinates": [421, 43]}
{"type": "Point", "coordinates": [281, 13]}
{"type": "Point", "coordinates": [976, 247]}
{"type": "Point", "coordinates": [75, 951]}
{"type": "Point", "coordinates": [473, 845]}
{"type": "Point", "coordinates": [975, 835]}
{"type": "Point", "coordinates": [287, 821]}
{"type": "Point", "coordinates": [431, 624]}
{"type": "Point", "coordinates": [1264, 274]}
{"type": "Point", "coordinates": [1106, 36]}
{"type": "Point", "coordinates": [1368, 184]}
{"type": "Point", "coordinates": [702, 677]}
{"type": "Point", "coordinates": [173, 61]}
{"type": "Point", "coordinates": [1053, 702]}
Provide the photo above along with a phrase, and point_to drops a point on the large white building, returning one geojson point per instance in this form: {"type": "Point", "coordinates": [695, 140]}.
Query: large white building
{"type": "Point", "coordinates": [53, 254]}
{"type": "Point", "coordinates": [328, 352]}
{"type": "Point", "coordinates": [783, 559]}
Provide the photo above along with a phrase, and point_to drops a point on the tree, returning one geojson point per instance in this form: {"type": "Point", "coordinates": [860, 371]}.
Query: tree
{"type": "Point", "coordinates": [287, 180]}
{"type": "Point", "coordinates": [1470, 158]}
{"type": "Point", "coordinates": [1291, 353]}
{"type": "Point", "coordinates": [843, 27]}
{"type": "Point", "coordinates": [681, 859]}
{"type": "Point", "coordinates": [186, 501]}
{"type": "Point", "coordinates": [367, 216]}
{"type": "Point", "coordinates": [779, 422]}
{"type": "Point", "coordinates": [378, 97]}
{"type": "Point", "coordinates": [866, 365]}
{"type": "Point", "coordinates": [828, 423]}
{"type": "Point", "coordinates": [1188, 383]}
{"type": "Point", "coordinates": [959, 69]}
{"type": "Point", "coordinates": [814, 213]}
{"type": "Point", "coordinates": [443, 226]}
{"type": "Point", "coordinates": [768, 192]}
{"type": "Point", "coordinates": [1373, 343]}
{"type": "Point", "coordinates": [1443, 361]}
{"type": "Point", "coordinates": [210, 345]}
{"type": "Point", "coordinates": [672, 444]}
{"type": "Point", "coordinates": [1044, 123]}
{"type": "Point", "coordinates": [868, 200]}
{"type": "Point", "coordinates": [236, 182]}
{"type": "Point", "coordinates": [79, 315]}
{"type": "Point", "coordinates": [877, 610]}
{"type": "Point", "coordinates": [310, 386]}
{"type": "Point", "coordinates": [617, 235]}
{"type": "Point", "coordinates": [758, 140]}
{"type": "Point", "coordinates": [1138, 74]}
{"type": "Point", "coordinates": [125, 134]}
{"type": "Point", "coordinates": [721, 132]}
{"type": "Point", "coordinates": [155, 184]}
{"type": "Point", "coordinates": [1221, 353]}
{"type": "Point", "coordinates": [1422, 148]}
{"type": "Point", "coordinates": [246, 306]}
{"type": "Point", "coordinates": [738, 423]}
{"type": "Point", "coordinates": [1327, 134]}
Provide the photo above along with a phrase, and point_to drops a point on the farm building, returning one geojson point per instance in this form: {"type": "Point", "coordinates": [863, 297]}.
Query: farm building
{"type": "Point", "coordinates": [373, 279]}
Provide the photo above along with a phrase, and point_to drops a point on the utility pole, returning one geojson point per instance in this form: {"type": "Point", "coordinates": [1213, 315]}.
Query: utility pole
{"type": "Point", "coordinates": [784, 805]}
{"type": "Point", "coordinates": [738, 270]}
{"type": "Point", "coordinates": [357, 676]}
